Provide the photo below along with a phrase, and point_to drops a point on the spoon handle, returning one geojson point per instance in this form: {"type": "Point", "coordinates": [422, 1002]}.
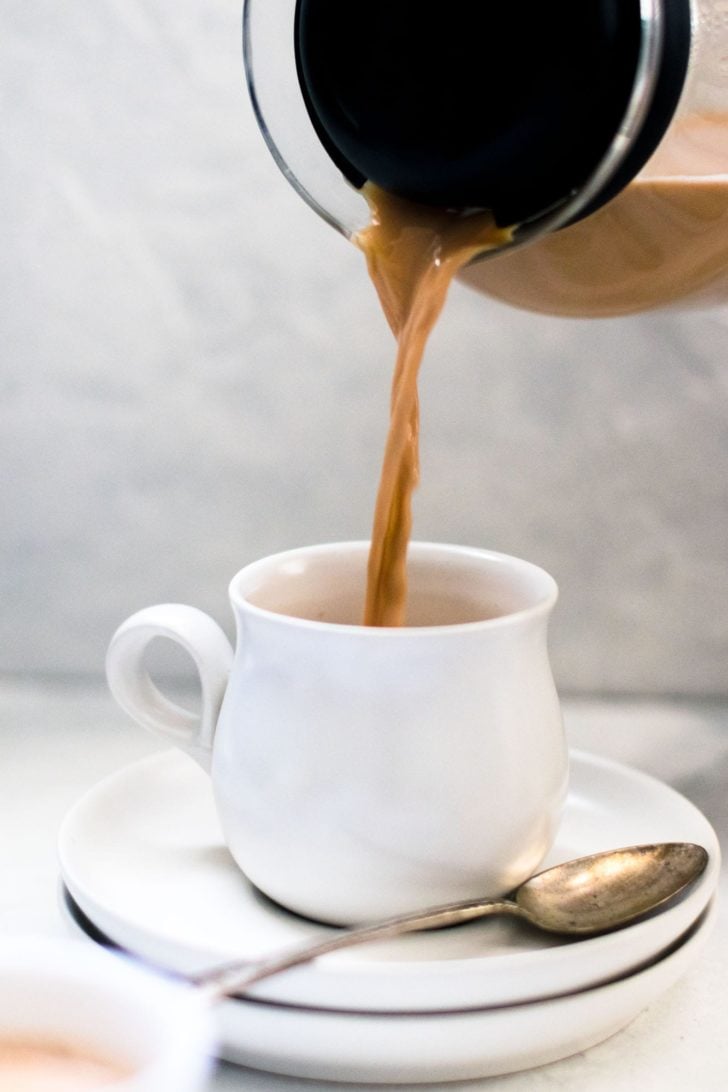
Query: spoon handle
{"type": "Point", "coordinates": [235, 978]}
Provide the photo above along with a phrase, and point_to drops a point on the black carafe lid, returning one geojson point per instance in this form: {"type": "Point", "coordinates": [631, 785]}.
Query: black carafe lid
{"type": "Point", "coordinates": [478, 104]}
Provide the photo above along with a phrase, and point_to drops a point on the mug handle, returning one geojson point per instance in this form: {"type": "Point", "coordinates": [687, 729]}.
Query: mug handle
{"type": "Point", "coordinates": [132, 686]}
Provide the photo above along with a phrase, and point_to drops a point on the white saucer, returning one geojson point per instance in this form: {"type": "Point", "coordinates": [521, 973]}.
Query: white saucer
{"type": "Point", "coordinates": [429, 1047]}
{"type": "Point", "coordinates": [142, 856]}
{"type": "Point", "coordinates": [434, 1047]}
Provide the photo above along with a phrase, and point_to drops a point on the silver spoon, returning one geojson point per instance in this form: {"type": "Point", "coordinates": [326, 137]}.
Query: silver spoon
{"type": "Point", "coordinates": [590, 895]}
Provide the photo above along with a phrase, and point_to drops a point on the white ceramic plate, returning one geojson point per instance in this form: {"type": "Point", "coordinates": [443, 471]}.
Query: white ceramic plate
{"type": "Point", "coordinates": [143, 857]}
{"type": "Point", "coordinates": [454, 1046]}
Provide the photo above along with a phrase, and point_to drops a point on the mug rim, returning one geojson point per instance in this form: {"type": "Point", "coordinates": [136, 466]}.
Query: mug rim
{"type": "Point", "coordinates": [543, 606]}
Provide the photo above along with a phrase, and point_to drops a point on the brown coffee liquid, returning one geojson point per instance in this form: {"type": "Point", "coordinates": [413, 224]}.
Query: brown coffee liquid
{"type": "Point", "coordinates": [413, 252]}
{"type": "Point", "coordinates": [664, 238]}
{"type": "Point", "coordinates": [27, 1065]}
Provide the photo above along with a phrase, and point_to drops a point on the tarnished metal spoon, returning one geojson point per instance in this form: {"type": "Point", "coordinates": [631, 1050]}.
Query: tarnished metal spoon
{"type": "Point", "coordinates": [590, 895]}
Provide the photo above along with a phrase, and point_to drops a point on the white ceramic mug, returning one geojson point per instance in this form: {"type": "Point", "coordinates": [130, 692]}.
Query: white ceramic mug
{"type": "Point", "coordinates": [360, 771]}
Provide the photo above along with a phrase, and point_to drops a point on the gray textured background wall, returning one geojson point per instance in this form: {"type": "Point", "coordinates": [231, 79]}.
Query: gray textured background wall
{"type": "Point", "coordinates": [195, 372]}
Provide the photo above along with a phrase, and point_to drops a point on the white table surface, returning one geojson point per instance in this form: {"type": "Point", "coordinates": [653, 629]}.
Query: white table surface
{"type": "Point", "coordinates": [58, 739]}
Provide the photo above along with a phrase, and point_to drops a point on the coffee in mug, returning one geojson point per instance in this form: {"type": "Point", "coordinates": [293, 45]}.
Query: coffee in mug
{"type": "Point", "coordinates": [30, 1065]}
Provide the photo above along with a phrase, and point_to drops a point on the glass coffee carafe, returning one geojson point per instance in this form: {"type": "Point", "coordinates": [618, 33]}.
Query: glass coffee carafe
{"type": "Point", "coordinates": [597, 130]}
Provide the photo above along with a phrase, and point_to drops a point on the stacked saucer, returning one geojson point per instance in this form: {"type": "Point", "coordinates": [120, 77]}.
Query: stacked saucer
{"type": "Point", "coordinates": [144, 868]}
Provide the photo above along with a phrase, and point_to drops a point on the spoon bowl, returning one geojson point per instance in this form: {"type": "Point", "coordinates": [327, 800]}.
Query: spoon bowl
{"type": "Point", "coordinates": [609, 890]}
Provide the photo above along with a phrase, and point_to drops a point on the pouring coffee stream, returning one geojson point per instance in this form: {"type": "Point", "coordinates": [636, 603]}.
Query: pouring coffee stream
{"type": "Point", "coordinates": [528, 123]}
{"type": "Point", "coordinates": [581, 898]}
